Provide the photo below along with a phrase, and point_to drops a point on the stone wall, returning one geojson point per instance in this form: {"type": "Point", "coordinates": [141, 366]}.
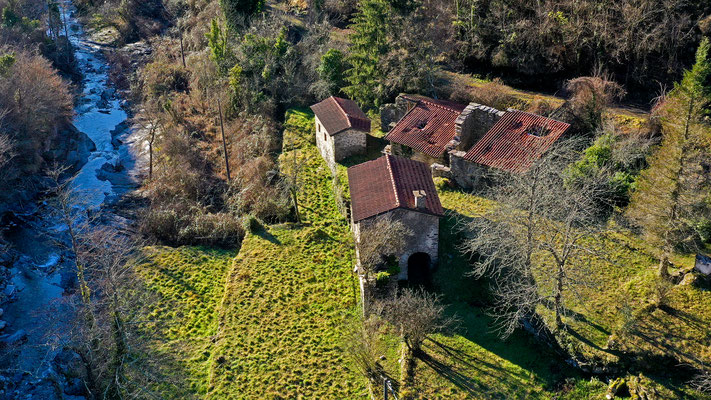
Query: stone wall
{"type": "Point", "coordinates": [349, 143]}
{"type": "Point", "coordinates": [473, 123]}
{"type": "Point", "coordinates": [465, 173]}
{"type": "Point", "coordinates": [325, 144]}
{"type": "Point", "coordinates": [391, 113]}
{"type": "Point", "coordinates": [339, 146]}
{"type": "Point", "coordinates": [407, 152]}
{"type": "Point", "coordinates": [425, 237]}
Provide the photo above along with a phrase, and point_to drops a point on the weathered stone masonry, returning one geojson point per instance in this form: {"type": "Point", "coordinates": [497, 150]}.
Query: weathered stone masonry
{"type": "Point", "coordinates": [339, 146]}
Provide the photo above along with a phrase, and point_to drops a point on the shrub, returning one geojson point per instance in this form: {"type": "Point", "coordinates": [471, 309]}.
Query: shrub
{"type": "Point", "coordinates": [495, 94]}
{"type": "Point", "coordinates": [163, 78]}
{"type": "Point", "coordinates": [252, 224]}
{"type": "Point", "coordinates": [590, 97]}
{"type": "Point", "coordinates": [181, 224]}
{"type": "Point", "coordinates": [382, 279]}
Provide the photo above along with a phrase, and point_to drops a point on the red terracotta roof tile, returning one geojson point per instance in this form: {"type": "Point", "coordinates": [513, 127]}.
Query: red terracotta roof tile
{"type": "Point", "coordinates": [337, 115]}
{"type": "Point", "coordinates": [516, 141]}
{"type": "Point", "coordinates": [428, 127]}
{"type": "Point", "coordinates": [387, 183]}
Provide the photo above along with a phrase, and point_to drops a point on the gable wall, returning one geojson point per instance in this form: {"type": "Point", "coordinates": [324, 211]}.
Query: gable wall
{"type": "Point", "coordinates": [348, 143]}
{"type": "Point", "coordinates": [425, 235]}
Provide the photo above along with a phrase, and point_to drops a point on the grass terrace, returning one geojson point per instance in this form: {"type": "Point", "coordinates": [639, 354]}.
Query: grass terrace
{"type": "Point", "coordinates": [288, 296]}
{"type": "Point", "coordinates": [267, 322]}
{"type": "Point", "coordinates": [599, 328]}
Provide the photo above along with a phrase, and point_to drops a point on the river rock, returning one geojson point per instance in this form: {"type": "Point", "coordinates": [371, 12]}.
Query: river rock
{"type": "Point", "coordinates": [70, 365]}
{"type": "Point", "coordinates": [10, 290]}
{"type": "Point", "coordinates": [2, 312]}
{"type": "Point", "coordinates": [70, 147]}
{"type": "Point", "coordinates": [67, 280]}
{"type": "Point", "coordinates": [14, 338]}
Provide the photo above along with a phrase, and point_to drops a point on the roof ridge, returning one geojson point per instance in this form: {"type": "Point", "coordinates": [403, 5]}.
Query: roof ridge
{"type": "Point", "coordinates": [513, 110]}
{"type": "Point", "coordinates": [340, 107]}
{"type": "Point", "coordinates": [442, 106]}
{"type": "Point", "coordinates": [392, 179]}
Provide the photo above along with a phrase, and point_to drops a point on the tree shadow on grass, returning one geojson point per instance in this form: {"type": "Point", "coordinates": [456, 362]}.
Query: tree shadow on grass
{"type": "Point", "coordinates": [464, 297]}
{"type": "Point", "coordinates": [452, 374]}
{"type": "Point", "coordinates": [577, 316]}
{"type": "Point", "coordinates": [266, 235]}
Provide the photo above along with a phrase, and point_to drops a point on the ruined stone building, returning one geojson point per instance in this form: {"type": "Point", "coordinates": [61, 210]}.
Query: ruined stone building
{"type": "Point", "coordinates": [341, 129]}
{"type": "Point", "coordinates": [513, 144]}
{"type": "Point", "coordinates": [426, 129]}
{"type": "Point", "coordinates": [402, 189]}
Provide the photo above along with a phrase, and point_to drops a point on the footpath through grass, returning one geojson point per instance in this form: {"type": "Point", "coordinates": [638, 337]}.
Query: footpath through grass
{"type": "Point", "coordinates": [288, 296]}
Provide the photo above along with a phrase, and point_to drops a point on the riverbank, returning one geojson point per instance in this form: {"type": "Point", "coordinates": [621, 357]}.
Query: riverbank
{"type": "Point", "coordinates": [37, 316]}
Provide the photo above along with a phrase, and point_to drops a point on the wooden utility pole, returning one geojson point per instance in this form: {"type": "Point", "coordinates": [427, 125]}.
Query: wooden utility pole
{"type": "Point", "coordinates": [182, 50]}
{"type": "Point", "coordinates": [224, 142]}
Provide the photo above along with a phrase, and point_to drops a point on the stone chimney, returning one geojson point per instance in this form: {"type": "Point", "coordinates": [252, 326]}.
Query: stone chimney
{"type": "Point", "coordinates": [473, 123]}
{"type": "Point", "coordinates": [420, 199]}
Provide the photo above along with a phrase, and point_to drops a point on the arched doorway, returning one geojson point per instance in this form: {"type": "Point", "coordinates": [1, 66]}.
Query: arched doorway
{"type": "Point", "coordinates": [418, 269]}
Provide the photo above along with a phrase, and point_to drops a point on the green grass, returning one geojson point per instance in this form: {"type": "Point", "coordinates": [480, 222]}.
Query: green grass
{"type": "Point", "coordinates": [188, 283]}
{"type": "Point", "coordinates": [288, 296]}
{"type": "Point", "coordinates": [679, 330]}
{"type": "Point", "coordinates": [473, 362]}
{"type": "Point", "coordinates": [267, 323]}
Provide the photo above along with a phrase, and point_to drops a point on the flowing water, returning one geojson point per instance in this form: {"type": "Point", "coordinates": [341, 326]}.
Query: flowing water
{"type": "Point", "coordinates": [44, 270]}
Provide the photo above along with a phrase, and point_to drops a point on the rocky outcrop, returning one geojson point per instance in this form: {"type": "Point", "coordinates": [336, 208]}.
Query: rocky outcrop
{"type": "Point", "coordinates": [70, 147]}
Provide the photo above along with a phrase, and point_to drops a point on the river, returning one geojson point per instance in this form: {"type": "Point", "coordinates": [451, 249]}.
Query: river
{"type": "Point", "coordinates": [43, 277]}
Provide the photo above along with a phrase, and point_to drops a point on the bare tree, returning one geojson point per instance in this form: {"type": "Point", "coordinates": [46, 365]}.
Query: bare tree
{"type": "Point", "coordinates": [535, 242]}
{"type": "Point", "coordinates": [150, 121]}
{"type": "Point", "coordinates": [380, 239]}
{"type": "Point", "coordinates": [702, 381]}
{"type": "Point", "coordinates": [363, 345]}
{"type": "Point", "coordinates": [416, 314]}
{"type": "Point", "coordinates": [112, 302]}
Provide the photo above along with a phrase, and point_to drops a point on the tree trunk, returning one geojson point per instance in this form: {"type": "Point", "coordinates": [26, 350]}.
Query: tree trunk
{"type": "Point", "coordinates": [182, 50]}
{"type": "Point", "coordinates": [296, 205]}
{"type": "Point", "coordinates": [150, 160]}
{"type": "Point", "coordinates": [664, 267]}
{"type": "Point", "coordinates": [224, 142]}
{"type": "Point", "coordinates": [559, 298]}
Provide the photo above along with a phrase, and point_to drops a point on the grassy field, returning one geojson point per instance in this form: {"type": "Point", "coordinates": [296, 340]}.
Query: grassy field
{"type": "Point", "coordinates": [288, 296]}
{"type": "Point", "coordinates": [615, 315]}
{"type": "Point", "coordinates": [267, 322]}
{"type": "Point", "coordinates": [188, 283]}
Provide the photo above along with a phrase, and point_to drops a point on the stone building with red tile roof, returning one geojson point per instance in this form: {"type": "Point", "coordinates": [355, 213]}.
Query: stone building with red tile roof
{"type": "Point", "coordinates": [402, 189]}
{"type": "Point", "coordinates": [341, 129]}
{"type": "Point", "coordinates": [427, 129]}
{"type": "Point", "coordinates": [513, 144]}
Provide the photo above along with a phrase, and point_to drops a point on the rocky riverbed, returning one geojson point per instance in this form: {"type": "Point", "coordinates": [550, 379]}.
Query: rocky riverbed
{"type": "Point", "coordinates": [37, 296]}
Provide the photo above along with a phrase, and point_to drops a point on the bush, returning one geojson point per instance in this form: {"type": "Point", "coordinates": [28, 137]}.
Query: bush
{"type": "Point", "coordinates": [382, 279]}
{"type": "Point", "coordinates": [590, 97]}
{"type": "Point", "coordinates": [495, 94]}
{"type": "Point", "coordinates": [163, 78]}
{"type": "Point", "coordinates": [252, 224]}
{"type": "Point", "coordinates": [179, 224]}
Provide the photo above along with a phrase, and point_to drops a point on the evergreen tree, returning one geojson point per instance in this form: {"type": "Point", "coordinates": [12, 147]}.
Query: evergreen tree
{"type": "Point", "coordinates": [331, 70]}
{"type": "Point", "coordinates": [369, 42]}
{"type": "Point", "coordinates": [673, 193]}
